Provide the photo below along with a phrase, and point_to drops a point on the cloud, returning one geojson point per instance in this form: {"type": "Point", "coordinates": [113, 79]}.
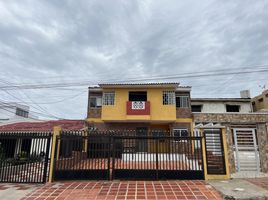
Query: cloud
{"type": "Point", "coordinates": [51, 41]}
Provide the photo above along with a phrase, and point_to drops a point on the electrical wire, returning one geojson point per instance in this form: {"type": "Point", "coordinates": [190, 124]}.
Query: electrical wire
{"type": "Point", "coordinates": [83, 83]}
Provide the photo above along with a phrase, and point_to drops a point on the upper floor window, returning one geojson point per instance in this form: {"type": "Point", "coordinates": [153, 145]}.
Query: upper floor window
{"type": "Point", "coordinates": [232, 108]}
{"type": "Point", "coordinates": [22, 113]}
{"type": "Point", "coordinates": [108, 98]}
{"type": "Point", "coordinates": [196, 108]}
{"type": "Point", "coordinates": [182, 101]}
{"type": "Point", "coordinates": [95, 102]}
{"type": "Point", "coordinates": [137, 96]}
{"type": "Point", "coordinates": [168, 97]}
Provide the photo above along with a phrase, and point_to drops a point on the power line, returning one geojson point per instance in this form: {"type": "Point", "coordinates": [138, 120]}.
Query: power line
{"type": "Point", "coordinates": [20, 116]}
{"type": "Point", "coordinates": [55, 102]}
{"type": "Point", "coordinates": [39, 107]}
{"type": "Point", "coordinates": [176, 76]}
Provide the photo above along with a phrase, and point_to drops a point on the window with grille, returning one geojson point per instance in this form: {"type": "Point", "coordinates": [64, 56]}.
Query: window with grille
{"type": "Point", "coordinates": [179, 132]}
{"type": "Point", "coordinates": [108, 98]}
{"type": "Point", "coordinates": [95, 102]}
{"type": "Point", "coordinates": [22, 113]}
{"type": "Point", "coordinates": [182, 101]}
{"type": "Point", "coordinates": [168, 97]}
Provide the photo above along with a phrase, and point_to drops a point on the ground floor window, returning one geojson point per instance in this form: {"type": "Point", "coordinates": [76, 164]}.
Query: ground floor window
{"type": "Point", "coordinates": [180, 132]}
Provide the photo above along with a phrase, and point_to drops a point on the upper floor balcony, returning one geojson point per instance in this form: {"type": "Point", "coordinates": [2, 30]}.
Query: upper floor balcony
{"type": "Point", "coordinates": [138, 108]}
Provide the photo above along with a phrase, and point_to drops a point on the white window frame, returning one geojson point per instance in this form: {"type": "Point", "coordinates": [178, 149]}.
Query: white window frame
{"type": "Point", "coordinates": [108, 99]}
{"type": "Point", "coordinates": [98, 101]}
{"type": "Point", "coordinates": [180, 130]}
{"type": "Point", "coordinates": [182, 103]}
{"type": "Point", "coordinates": [169, 98]}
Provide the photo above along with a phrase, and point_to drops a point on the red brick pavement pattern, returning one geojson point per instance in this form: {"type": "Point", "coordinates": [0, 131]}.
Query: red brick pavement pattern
{"type": "Point", "coordinates": [261, 182]}
{"type": "Point", "coordinates": [101, 190]}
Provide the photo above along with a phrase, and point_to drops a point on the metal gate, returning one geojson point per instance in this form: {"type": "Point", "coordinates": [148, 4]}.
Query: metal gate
{"type": "Point", "coordinates": [178, 158]}
{"type": "Point", "coordinates": [80, 156]}
{"type": "Point", "coordinates": [24, 157]}
{"type": "Point", "coordinates": [246, 150]}
{"type": "Point", "coordinates": [214, 151]}
{"type": "Point", "coordinates": [117, 156]}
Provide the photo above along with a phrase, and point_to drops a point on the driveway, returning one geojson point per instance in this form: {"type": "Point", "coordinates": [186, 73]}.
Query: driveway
{"type": "Point", "coordinates": [104, 190]}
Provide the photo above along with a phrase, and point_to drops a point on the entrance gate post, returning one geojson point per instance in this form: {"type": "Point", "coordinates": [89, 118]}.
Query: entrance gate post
{"type": "Point", "coordinates": [56, 132]}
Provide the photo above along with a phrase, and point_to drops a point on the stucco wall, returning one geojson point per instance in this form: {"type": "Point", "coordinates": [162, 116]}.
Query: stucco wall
{"type": "Point", "coordinates": [154, 96]}
{"type": "Point", "coordinates": [220, 107]}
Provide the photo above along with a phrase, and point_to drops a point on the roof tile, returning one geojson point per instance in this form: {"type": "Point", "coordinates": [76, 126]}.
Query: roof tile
{"type": "Point", "coordinates": [44, 126]}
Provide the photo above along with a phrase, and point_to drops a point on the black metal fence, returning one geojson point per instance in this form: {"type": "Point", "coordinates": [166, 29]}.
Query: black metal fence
{"type": "Point", "coordinates": [124, 155]}
{"type": "Point", "coordinates": [24, 157]}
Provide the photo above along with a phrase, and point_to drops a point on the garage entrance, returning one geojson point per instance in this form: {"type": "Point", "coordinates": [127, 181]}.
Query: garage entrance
{"type": "Point", "coordinates": [127, 155]}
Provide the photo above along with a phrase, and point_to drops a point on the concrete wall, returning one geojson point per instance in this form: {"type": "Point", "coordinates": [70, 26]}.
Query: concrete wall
{"type": "Point", "coordinates": [220, 107]}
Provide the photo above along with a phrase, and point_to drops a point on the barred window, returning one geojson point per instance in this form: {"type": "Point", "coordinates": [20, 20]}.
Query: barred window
{"type": "Point", "coordinates": [168, 97]}
{"type": "Point", "coordinates": [182, 101]}
{"type": "Point", "coordinates": [22, 113]}
{"type": "Point", "coordinates": [108, 98]}
{"type": "Point", "coordinates": [180, 132]}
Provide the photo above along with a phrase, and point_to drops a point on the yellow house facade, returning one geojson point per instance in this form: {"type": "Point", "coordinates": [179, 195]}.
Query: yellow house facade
{"type": "Point", "coordinates": [140, 107]}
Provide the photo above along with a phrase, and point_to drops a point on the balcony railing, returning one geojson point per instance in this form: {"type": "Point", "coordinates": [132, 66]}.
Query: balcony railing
{"type": "Point", "coordinates": [138, 108]}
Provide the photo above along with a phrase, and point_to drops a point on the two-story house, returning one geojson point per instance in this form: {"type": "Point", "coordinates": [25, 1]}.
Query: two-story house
{"type": "Point", "coordinates": [260, 102]}
{"type": "Point", "coordinates": [246, 130]}
{"type": "Point", "coordinates": [141, 107]}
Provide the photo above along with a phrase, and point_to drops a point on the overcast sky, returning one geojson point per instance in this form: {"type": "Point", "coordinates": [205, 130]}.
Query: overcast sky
{"type": "Point", "coordinates": [54, 41]}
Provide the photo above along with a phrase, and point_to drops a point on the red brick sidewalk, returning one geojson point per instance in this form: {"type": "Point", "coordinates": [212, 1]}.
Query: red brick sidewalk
{"type": "Point", "coordinates": [101, 190]}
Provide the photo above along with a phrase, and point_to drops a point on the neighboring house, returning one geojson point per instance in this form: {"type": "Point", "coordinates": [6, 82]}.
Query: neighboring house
{"type": "Point", "coordinates": [246, 131]}
{"type": "Point", "coordinates": [27, 145]}
{"type": "Point", "coordinates": [14, 112]}
{"type": "Point", "coordinates": [221, 105]}
{"type": "Point", "coordinates": [141, 107]}
{"type": "Point", "coordinates": [260, 102]}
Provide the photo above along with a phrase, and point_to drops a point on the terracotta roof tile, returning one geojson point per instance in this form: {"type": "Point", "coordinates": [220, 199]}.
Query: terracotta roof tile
{"type": "Point", "coordinates": [44, 126]}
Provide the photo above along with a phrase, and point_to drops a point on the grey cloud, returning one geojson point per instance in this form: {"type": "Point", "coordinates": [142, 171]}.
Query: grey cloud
{"type": "Point", "coordinates": [52, 41]}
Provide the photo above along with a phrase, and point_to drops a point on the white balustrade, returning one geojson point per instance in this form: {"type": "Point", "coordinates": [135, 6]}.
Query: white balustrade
{"type": "Point", "coordinates": [138, 105]}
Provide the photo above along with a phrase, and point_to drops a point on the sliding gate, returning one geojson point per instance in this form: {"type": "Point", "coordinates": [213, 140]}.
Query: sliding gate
{"type": "Point", "coordinates": [121, 156]}
{"type": "Point", "coordinates": [164, 158]}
